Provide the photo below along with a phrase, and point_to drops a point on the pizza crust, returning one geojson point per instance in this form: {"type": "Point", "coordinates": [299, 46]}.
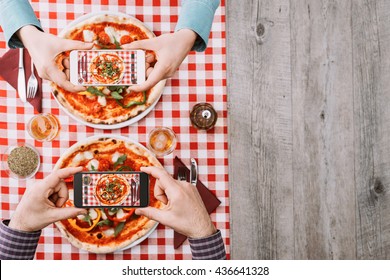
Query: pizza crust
{"type": "Point", "coordinates": [148, 225]}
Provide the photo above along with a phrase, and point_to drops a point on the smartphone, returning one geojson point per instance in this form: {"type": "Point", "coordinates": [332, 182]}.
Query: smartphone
{"type": "Point", "coordinates": [107, 67]}
{"type": "Point", "coordinates": [111, 189]}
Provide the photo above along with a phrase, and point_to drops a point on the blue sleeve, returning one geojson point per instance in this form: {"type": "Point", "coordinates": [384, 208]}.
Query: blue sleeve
{"type": "Point", "coordinates": [198, 16]}
{"type": "Point", "coordinates": [13, 16]}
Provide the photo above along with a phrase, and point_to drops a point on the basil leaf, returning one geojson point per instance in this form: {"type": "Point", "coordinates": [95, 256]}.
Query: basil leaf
{"type": "Point", "coordinates": [95, 91]}
{"type": "Point", "coordinates": [116, 88]}
{"type": "Point", "coordinates": [87, 218]}
{"type": "Point", "coordinates": [120, 160]}
{"type": "Point", "coordinates": [132, 103]}
{"type": "Point", "coordinates": [93, 167]}
{"type": "Point", "coordinates": [117, 44]}
{"type": "Point", "coordinates": [116, 95]}
{"type": "Point", "coordinates": [119, 228]}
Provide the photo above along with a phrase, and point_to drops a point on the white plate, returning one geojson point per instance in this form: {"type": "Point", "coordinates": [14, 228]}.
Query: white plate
{"type": "Point", "coordinates": [105, 126]}
{"type": "Point", "coordinates": [126, 139]}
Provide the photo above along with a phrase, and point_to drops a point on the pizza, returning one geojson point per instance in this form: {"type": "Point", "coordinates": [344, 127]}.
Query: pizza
{"type": "Point", "coordinates": [107, 68]}
{"type": "Point", "coordinates": [105, 230]}
{"type": "Point", "coordinates": [106, 104]}
{"type": "Point", "coordinates": [112, 189]}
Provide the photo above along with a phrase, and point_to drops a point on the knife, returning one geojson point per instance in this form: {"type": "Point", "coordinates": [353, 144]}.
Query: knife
{"type": "Point", "coordinates": [21, 78]}
{"type": "Point", "coordinates": [193, 172]}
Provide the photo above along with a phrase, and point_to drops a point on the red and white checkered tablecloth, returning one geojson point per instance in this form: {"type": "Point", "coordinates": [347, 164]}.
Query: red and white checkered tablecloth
{"type": "Point", "coordinates": [201, 78]}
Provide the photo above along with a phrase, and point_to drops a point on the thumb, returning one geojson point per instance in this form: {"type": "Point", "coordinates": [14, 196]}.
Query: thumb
{"type": "Point", "coordinates": [59, 214]}
{"type": "Point", "coordinates": [147, 44]}
{"type": "Point", "coordinates": [151, 213]}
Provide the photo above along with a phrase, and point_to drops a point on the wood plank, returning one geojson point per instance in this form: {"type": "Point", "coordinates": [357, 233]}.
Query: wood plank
{"type": "Point", "coordinates": [260, 130]}
{"type": "Point", "coordinates": [371, 59]}
{"type": "Point", "coordinates": [323, 155]}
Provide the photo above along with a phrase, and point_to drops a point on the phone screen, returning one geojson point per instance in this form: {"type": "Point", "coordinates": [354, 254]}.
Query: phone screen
{"type": "Point", "coordinates": [93, 189]}
{"type": "Point", "coordinates": [107, 67]}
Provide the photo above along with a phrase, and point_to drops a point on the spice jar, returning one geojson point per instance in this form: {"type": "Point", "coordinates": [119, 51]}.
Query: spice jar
{"type": "Point", "coordinates": [203, 116]}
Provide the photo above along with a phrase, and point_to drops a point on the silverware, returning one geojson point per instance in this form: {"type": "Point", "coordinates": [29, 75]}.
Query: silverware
{"type": "Point", "coordinates": [21, 78]}
{"type": "Point", "coordinates": [193, 172]}
{"type": "Point", "coordinates": [181, 174]}
{"type": "Point", "coordinates": [32, 83]}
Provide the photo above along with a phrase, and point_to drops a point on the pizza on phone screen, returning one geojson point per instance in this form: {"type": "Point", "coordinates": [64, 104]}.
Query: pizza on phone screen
{"type": "Point", "coordinates": [111, 104]}
{"type": "Point", "coordinates": [107, 229]}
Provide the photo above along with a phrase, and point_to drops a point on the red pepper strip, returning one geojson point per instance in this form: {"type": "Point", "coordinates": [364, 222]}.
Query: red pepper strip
{"type": "Point", "coordinates": [115, 219]}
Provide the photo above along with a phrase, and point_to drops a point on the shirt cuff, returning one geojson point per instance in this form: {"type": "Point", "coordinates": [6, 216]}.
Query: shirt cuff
{"type": "Point", "coordinates": [198, 16]}
{"type": "Point", "coordinates": [17, 244]}
{"type": "Point", "coordinates": [208, 248]}
{"type": "Point", "coordinates": [13, 16]}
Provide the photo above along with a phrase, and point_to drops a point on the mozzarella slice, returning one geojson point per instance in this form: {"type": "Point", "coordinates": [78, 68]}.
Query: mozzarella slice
{"type": "Point", "coordinates": [106, 91]}
{"type": "Point", "coordinates": [77, 159]}
{"type": "Point", "coordinates": [93, 214]}
{"type": "Point", "coordinates": [94, 163]}
{"type": "Point", "coordinates": [88, 35]}
{"type": "Point", "coordinates": [123, 33]}
{"type": "Point", "coordinates": [102, 101]}
{"type": "Point", "coordinates": [120, 214]}
{"type": "Point", "coordinates": [80, 217]}
{"type": "Point", "coordinates": [115, 156]}
{"type": "Point", "coordinates": [88, 155]}
{"type": "Point", "coordinates": [104, 216]}
{"type": "Point", "coordinates": [112, 34]}
{"type": "Point", "coordinates": [71, 195]}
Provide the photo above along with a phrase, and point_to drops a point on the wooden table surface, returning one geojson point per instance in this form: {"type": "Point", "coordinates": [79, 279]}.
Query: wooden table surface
{"type": "Point", "coordinates": [309, 128]}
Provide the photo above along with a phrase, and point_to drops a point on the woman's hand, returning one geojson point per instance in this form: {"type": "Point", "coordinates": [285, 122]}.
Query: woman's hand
{"type": "Point", "coordinates": [171, 49]}
{"type": "Point", "coordinates": [44, 48]}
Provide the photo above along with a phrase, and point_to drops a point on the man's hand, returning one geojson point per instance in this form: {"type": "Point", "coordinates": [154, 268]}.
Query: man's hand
{"type": "Point", "coordinates": [171, 49]}
{"type": "Point", "coordinates": [184, 211]}
{"type": "Point", "coordinates": [42, 202]}
{"type": "Point", "coordinates": [44, 48]}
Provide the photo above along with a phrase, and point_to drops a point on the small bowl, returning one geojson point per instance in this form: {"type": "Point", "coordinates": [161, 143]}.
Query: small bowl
{"type": "Point", "coordinates": [8, 151]}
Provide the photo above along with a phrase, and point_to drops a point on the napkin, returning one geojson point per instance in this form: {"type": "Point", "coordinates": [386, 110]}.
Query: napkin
{"type": "Point", "coordinates": [9, 64]}
{"type": "Point", "coordinates": [209, 199]}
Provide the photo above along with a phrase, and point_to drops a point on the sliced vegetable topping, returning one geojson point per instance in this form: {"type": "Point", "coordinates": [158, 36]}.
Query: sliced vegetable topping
{"type": "Point", "coordinates": [88, 218]}
{"type": "Point", "coordinates": [120, 160]}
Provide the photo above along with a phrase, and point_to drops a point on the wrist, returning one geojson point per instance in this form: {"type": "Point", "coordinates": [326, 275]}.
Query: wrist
{"type": "Point", "coordinates": [17, 223]}
{"type": "Point", "coordinates": [188, 37]}
{"type": "Point", "coordinates": [205, 231]}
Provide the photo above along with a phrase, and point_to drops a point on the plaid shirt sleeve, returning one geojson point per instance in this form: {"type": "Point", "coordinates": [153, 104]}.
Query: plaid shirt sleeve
{"type": "Point", "coordinates": [16, 244]}
{"type": "Point", "coordinates": [208, 248]}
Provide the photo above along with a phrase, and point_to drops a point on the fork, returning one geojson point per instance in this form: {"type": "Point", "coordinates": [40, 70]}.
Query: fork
{"type": "Point", "coordinates": [32, 84]}
{"type": "Point", "coordinates": [181, 174]}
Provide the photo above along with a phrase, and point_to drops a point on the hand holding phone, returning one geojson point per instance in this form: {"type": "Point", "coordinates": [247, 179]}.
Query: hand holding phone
{"type": "Point", "coordinates": [107, 67]}
{"type": "Point", "coordinates": [111, 189]}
